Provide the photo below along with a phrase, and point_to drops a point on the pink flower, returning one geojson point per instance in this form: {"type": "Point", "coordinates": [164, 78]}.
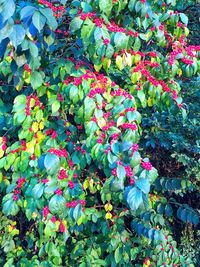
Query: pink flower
{"type": "Point", "coordinates": [15, 197]}
{"type": "Point", "coordinates": [62, 227]}
{"type": "Point", "coordinates": [82, 202]}
{"type": "Point", "coordinates": [106, 41]}
{"type": "Point", "coordinates": [100, 141]}
{"type": "Point", "coordinates": [75, 175]}
{"type": "Point", "coordinates": [129, 172]}
{"type": "Point", "coordinates": [53, 219]}
{"type": "Point", "coordinates": [68, 204]}
{"type": "Point", "coordinates": [45, 211]}
{"type": "Point", "coordinates": [73, 204]}
{"type": "Point", "coordinates": [60, 98]}
{"type": "Point", "coordinates": [58, 191]}
{"type": "Point", "coordinates": [54, 135]}
{"type": "Point", "coordinates": [146, 165]}
{"type": "Point", "coordinates": [174, 95]}
{"type": "Point", "coordinates": [135, 147]}
{"type": "Point", "coordinates": [114, 172]}
{"type": "Point", "coordinates": [45, 181]}
{"type": "Point", "coordinates": [62, 174]}
{"type": "Point", "coordinates": [70, 184]}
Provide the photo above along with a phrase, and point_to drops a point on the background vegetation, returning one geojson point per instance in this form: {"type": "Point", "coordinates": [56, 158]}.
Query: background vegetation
{"type": "Point", "coordinates": [99, 126]}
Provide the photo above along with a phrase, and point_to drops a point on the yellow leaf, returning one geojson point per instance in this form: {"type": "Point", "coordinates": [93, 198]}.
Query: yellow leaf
{"type": "Point", "coordinates": [35, 127]}
{"type": "Point", "coordinates": [34, 215]}
{"type": "Point", "coordinates": [30, 146]}
{"type": "Point", "coordinates": [180, 72]}
{"type": "Point", "coordinates": [27, 77]}
{"type": "Point", "coordinates": [25, 203]}
{"type": "Point", "coordinates": [41, 125]}
{"type": "Point", "coordinates": [108, 207]}
{"type": "Point", "coordinates": [29, 36]}
{"type": "Point", "coordinates": [137, 58]}
{"type": "Point", "coordinates": [119, 62]}
{"type": "Point", "coordinates": [65, 223]}
{"type": "Point", "coordinates": [108, 216]}
{"type": "Point", "coordinates": [135, 77]}
{"type": "Point", "coordinates": [57, 223]}
{"type": "Point", "coordinates": [101, 122]}
{"type": "Point", "coordinates": [86, 184]}
{"type": "Point", "coordinates": [19, 87]}
{"type": "Point", "coordinates": [32, 102]}
{"type": "Point", "coordinates": [80, 220]}
{"type": "Point", "coordinates": [10, 228]}
{"type": "Point", "coordinates": [128, 59]}
{"type": "Point", "coordinates": [15, 232]}
{"type": "Point", "coordinates": [91, 183]}
{"type": "Point", "coordinates": [8, 58]}
{"type": "Point", "coordinates": [37, 150]}
{"type": "Point", "coordinates": [106, 63]}
{"type": "Point", "coordinates": [1, 152]}
{"type": "Point", "coordinates": [97, 67]}
{"type": "Point", "coordinates": [40, 137]}
{"type": "Point", "coordinates": [150, 102]}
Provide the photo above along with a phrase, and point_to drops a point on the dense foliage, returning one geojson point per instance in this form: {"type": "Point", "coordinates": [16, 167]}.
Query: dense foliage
{"type": "Point", "coordinates": [99, 154]}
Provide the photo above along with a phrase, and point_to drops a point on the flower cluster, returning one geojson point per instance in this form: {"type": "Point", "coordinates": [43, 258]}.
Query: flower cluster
{"type": "Point", "coordinates": [36, 101]}
{"type": "Point", "coordinates": [131, 126]}
{"type": "Point", "coordinates": [59, 152]}
{"type": "Point", "coordinates": [58, 10]}
{"type": "Point", "coordinates": [146, 165]}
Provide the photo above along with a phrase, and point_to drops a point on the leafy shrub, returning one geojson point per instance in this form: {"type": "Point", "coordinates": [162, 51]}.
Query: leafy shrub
{"type": "Point", "coordinates": [76, 80]}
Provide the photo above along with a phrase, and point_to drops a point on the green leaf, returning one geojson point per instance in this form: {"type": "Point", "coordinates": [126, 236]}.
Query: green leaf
{"type": "Point", "coordinates": [109, 51]}
{"type": "Point", "coordinates": [131, 4]}
{"type": "Point", "coordinates": [77, 212]}
{"type": "Point", "coordinates": [75, 24]}
{"type": "Point", "coordinates": [89, 107]}
{"type": "Point", "coordinates": [143, 184]}
{"type": "Point", "coordinates": [118, 255]}
{"type": "Point", "coordinates": [73, 94]}
{"type": "Point", "coordinates": [49, 229]}
{"type": "Point", "coordinates": [137, 44]}
{"type": "Point", "coordinates": [57, 204]}
{"type": "Point", "coordinates": [187, 214]}
{"type": "Point", "coordinates": [121, 173]}
{"type": "Point", "coordinates": [105, 6]}
{"type": "Point", "coordinates": [121, 40]}
{"type": "Point", "coordinates": [38, 20]}
{"type": "Point", "coordinates": [141, 96]}
{"type": "Point", "coordinates": [33, 49]}
{"type": "Point", "coordinates": [138, 6]}
{"type": "Point", "coordinates": [184, 18]}
{"type": "Point", "coordinates": [10, 206]}
{"type": "Point", "coordinates": [51, 162]}
{"type": "Point", "coordinates": [51, 21]}
{"type": "Point", "coordinates": [38, 190]}
{"type": "Point", "coordinates": [55, 106]}
{"type": "Point", "coordinates": [135, 160]}
{"type": "Point", "coordinates": [36, 79]}
{"type": "Point", "coordinates": [27, 11]}
{"type": "Point", "coordinates": [152, 175]}
{"type": "Point", "coordinates": [6, 31]}
{"type": "Point", "coordinates": [7, 9]}
{"type": "Point", "coordinates": [116, 185]}
{"type": "Point", "coordinates": [17, 36]}
{"type": "Point", "coordinates": [133, 197]}
{"type": "Point", "coordinates": [20, 60]}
